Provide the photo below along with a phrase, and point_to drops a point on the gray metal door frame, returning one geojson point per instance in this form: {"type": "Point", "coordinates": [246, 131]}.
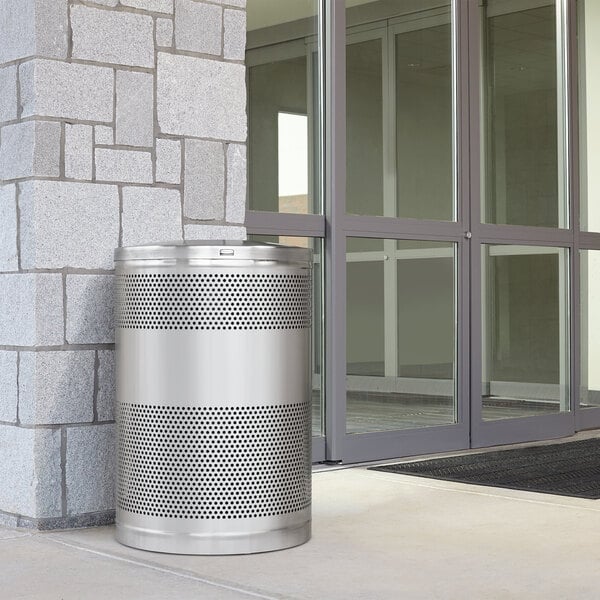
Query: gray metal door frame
{"type": "Point", "coordinates": [335, 226]}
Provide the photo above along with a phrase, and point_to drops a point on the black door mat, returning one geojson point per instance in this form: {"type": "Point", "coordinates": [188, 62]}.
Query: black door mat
{"type": "Point", "coordinates": [567, 469]}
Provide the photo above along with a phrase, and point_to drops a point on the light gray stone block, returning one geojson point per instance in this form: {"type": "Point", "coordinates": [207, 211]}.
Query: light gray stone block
{"type": "Point", "coordinates": [135, 109]}
{"type": "Point", "coordinates": [103, 134]}
{"type": "Point", "coordinates": [168, 161]}
{"type": "Point", "coordinates": [198, 27]}
{"type": "Point", "coordinates": [164, 32]}
{"type": "Point", "coordinates": [56, 387]}
{"type": "Point", "coordinates": [236, 183]}
{"type": "Point", "coordinates": [104, 2]}
{"type": "Point", "coordinates": [90, 469]}
{"type": "Point", "coordinates": [234, 35]}
{"type": "Point", "coordinates": [126, 166]}
{"type": "Point", "coordinates": [68, 224]}
{"type": "Point", "coordinates": [8, 386]}
{"type": "Point", "coordinates": [161, 6]}
{"type": "Point", "coordinates": [30, 471]}
{"type": "Point", "coordinates": [30, 149]}
{"type": "Point", "coordinates": [204, 180]}
{"type": "Point", "coordinates": [67, 90]}
{"type": "Point", "coordinates": [201, 98]}
{"type": "Point", "coordinates": [8, 95]}
{"type": "Point", "coordinates": [150, 215]}
{"type": "Point", "coordinates": [107, 389]}
{"type": "Point", "coordinates": [214, 232]}
{"type": "Point", "coordinates": [240, 3]}
{"type": "Point", "coordinates": [79, 151]}
{"type": "Point", "coordinates": [120, 38]}
{"type": "Point", "coordinates": [33, 27]}
{"type": "Point", "coordinates": [8, 231]}
{"type": "Point", "coordinates": [31, 309]}
{"type": "Point", "coordinates": [90, 309]}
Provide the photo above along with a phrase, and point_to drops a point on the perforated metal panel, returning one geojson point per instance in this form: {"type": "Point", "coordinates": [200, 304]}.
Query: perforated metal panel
{"type": "Point", "coordinates": [212, 462]}
{"type": "Point", "coordinates": [213, 301]}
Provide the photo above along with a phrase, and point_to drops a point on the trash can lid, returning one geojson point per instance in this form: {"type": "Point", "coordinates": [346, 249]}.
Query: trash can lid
{"type": "Point", "coordinates": [215, 250]}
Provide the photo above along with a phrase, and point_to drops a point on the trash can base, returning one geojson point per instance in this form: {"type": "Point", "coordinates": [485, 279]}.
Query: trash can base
{"type": "Point", "coordinates": [211, 543]}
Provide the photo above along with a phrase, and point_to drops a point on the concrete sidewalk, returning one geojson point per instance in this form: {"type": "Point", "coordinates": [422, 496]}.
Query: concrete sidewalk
{"type": "Point", "coordinates": [375, 536]}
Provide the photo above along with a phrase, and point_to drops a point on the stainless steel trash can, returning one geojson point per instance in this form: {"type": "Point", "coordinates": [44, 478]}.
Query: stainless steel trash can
{"type": "Point", "coordinates": [213, 397]}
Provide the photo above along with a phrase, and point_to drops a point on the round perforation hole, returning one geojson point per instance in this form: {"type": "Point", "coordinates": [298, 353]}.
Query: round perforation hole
{"type": "Point", "coordinates": [212, 462]}
{"type": "Point", "coordinates": [213, 301]}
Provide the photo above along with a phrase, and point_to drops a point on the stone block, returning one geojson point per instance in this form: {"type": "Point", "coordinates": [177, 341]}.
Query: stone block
{"type": "Point", "coordinates": [30, 149]}
{"type": "Point", "coordinates": [214, 232]}
{"type": "Point", "coordinates": [33, 27]}
{"type": "Point", "coordinates": [8, 97]}
{"type": "Point", "coordinates": [79, 151]}
{"type": "Point", "coordinates": [198, 27]}
{"type": "Point", "coordinates": [120, 38]}
{"type": "Point", "coordinates": [201, 98]}
{"type": "Point", "coordinates": [238, 3]}
{"type": "Point", "coordinates": [90, 469]}
{"type": "Point", "coordinates": [164, 32]}
{"type": "Point", "coordinates": [204, 180]}
{"type": "Point", "coordinates": [236, 183]}
{"type": "Point", "coordinates": [161, 6]}
{"type": "Point", "coordinates": [107, 388]}
{"type": "Point", "coordinates": [66, 90]}
{"type": "Point", "coordinates": [30, 471]}
{"type": "Point", "coordinates": [68, 224]}
{"type": "Point", "coordinates": [8, 231]}
{"type": "Point", "coordinates": [104, 2]}
{"type": "Point", "coordinates": [8, 386]}
{"type": "Point", "coordinates": [135, 109]}
{"type": "Point", "coordinates": [103, 134]}
{"type": "Point", "coordinates": [168, 161]}
{"type": "Point", "coordinates": [125, 166]}
{"type": "Point", "coordinates": [90, 309]}
{"type": "Point", "coordinates": [234, 34]}
{"type": "Point", "coordinates": [151, 215]}
{"type": "Point", "coordinates": [56, 387]}
{"type": "Point", "coordinates": [31, 309]}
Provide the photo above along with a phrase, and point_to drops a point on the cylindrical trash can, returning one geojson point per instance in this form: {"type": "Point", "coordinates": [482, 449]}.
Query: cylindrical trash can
{"type": "Point", "coordinates": [213, 397]}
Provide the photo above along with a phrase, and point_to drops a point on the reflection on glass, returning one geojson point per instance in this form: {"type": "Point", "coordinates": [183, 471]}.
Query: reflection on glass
{"type": "Point", "coordinates": [524, 163]}
{"type": "Point", "coordinates": [525, 329]}
{"type": "Point", "coordinates": [364, 128]}
{"type": "Point", "coordinates": [316, 244]}
{"type": "Point", "coordinates": [399, 105]}
{"type": "Point", "coordinates": [283, 106]}
{"type": "Point", "coordinates": [424, 186]}
{"type": "Point", "coordinates": [589, 100]}
{"type": "Point", "coordinates": [401, 334]}
{"type": "Point", "coordinates": [590, 328]}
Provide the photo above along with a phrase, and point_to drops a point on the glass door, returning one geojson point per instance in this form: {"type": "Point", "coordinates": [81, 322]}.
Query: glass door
{"type": "Point", "coordinates": [522, 241]}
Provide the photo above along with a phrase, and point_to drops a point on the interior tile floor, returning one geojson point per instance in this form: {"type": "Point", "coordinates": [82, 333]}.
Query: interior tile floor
{"type": "Point", "coordinates": [376, 536]}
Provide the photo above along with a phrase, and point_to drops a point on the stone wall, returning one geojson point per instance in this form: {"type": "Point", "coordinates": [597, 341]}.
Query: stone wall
{"type": "Point", "coordinates": [122, 122]}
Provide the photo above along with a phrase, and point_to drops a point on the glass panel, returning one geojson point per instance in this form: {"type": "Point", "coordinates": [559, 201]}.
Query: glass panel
{"type": "Point", "coordinates": [589, 100]}
{"type": "Point", "coordinates": [364, 128]}
{"type": "Point", "coordinates": [590, 328]}
{"type": "Point", "coordinates": [399, 107]}
{"type": "Point", "coordinates": [317, 332]}
{"type": "Point", "coordinates": [525, 359]}
{"type": "Point", "coordinates": [283, 106]}
{"type": "Point", "coordinates": [424, 148]}
{"type": "Point", "coordinates": [401, 334]}
{"type": "Point", "coordinates": [524, 165]}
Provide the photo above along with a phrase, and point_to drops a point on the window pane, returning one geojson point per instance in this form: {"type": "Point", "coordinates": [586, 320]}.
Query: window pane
{"type": "Point", "coordinates": [590, 328]}
{"type": "Point", "coordinates": [589, 100]}
{"type": "Point", "coordinates": [401, 334]}
{"type": "Point", "coordinates": [525, 331]}
{"type": "Point", "coordinates": [524, 165]}
{"type": "Point", "coordinates": [317, 330]}
{"type": "Point", "coordinates": [424, 187]}
{"type": "Point", "coordinates": [283, 106]}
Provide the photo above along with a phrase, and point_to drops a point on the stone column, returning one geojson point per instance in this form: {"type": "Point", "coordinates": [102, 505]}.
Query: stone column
{"type": "Point", "coordinates": [121, 122]}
